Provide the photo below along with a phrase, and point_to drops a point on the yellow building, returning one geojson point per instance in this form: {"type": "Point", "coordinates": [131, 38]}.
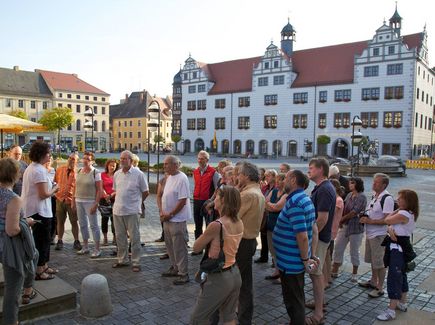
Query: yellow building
{"type": "Point", "coordinates": [128, 122]}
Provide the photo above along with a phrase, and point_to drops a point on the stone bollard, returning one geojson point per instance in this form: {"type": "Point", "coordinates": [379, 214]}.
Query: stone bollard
{"type": "Point", "coordinates": [95, 298]}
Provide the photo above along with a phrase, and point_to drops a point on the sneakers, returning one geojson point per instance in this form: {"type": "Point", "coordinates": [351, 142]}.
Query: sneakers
{"type": "Point", "coordinates": [96, 254]}
{"type": "Point", "coordinates": [83, 251]}
{"type": "Point", "coordinates": [402, 306]}
{"type": "Point", "coordinates": [354, 278]}
{"type": "Point", "coordinates": [77, 246]}
{"type": "Point", "coordinates": [170, 273]}
{"type": "Point", "coordinates": [366, 284]}
{"type": "Point", "coordinates": [183, 279]}
{"type": "Point", "coordinates": [375, 293]}
{"type": "Point", "coordinates": [59, 245]}
{"type": "Point", "coordinates": [387, 315]}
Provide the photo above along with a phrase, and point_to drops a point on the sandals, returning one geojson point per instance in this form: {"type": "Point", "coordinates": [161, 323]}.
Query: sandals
{"type": "Point", "coordinates": [50, 270]}
{"type": "Point", "coordinates": [117, 265]}
{"type": "Point", "coordinates": [136, 268]}
{"type": "Point", "coordinates": [310, 320]}
{"type": "Point", "coordinates": [25, 298]}
{"type": "Point", "coordinates": [44, 276]}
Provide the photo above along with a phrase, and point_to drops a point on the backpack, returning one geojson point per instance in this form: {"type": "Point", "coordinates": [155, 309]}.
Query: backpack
{"type": "Point", "coordinates": [396, 205]}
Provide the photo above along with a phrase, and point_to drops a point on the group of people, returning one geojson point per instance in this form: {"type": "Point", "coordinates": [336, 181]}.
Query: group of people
{"type": "Point", "coordinates": [238, 202]}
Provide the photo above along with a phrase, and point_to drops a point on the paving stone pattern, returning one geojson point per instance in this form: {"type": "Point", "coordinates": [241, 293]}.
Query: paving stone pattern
{"type": "Point", "coordinates": [147, 298]}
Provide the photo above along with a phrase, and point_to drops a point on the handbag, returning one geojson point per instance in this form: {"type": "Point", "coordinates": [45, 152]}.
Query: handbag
{"type": "Point", "coordinates": [213, 265]}
{"type": "Point", "coordinates": [105, 207]}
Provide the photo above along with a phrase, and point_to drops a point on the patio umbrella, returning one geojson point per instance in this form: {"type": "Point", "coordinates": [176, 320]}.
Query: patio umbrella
{"type": "Point", "coordinates": [12, 124]}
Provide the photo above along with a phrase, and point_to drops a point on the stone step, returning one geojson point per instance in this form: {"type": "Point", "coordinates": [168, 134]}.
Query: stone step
{"type": "Point", "coordinates": [54, 297]}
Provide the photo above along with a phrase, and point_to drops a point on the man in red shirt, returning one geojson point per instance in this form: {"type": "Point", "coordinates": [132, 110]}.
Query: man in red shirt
{"type": "Point", "coordinates": [206, 179]}
{"type": "Point", "coordinates": [65, 178]}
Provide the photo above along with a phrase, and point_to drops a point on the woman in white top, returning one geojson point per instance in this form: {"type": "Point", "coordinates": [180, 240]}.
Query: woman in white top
{"type": "Point", "coordinates": [87, 194]}
{"type": "Point", "coordinates": [36, 194]}
{"type": "Point", "coordinates": [401, 226]}
{"type": "Point", "coordinates": [51, 171]}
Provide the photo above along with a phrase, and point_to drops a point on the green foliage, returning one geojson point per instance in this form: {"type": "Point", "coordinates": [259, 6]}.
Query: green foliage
{"type": "Point", "coordinates": [323, 139]}
{"type": "Point", "coordinates": [143, 164]}
{"type": "Point", "coordinates": [19, 113]}
{"type": "Point", "coordinates": [57, 118]}
{"type": "Point", "coordinates": [158, 166]}
{"type": "Point", "coordinates": [100, 161]}
{"type": "Point", "coordinates": [176, 138]}
{"type": "Point", "coordinates": [187, 170]}
{"type": "Point", "coordinates": [159, 138]}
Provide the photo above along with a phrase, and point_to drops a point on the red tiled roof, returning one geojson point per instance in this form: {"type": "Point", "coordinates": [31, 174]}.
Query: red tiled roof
{"type": "Point", "coordinates": [69, 82]}
{"type": "Point", "coordinates": [318, 66]}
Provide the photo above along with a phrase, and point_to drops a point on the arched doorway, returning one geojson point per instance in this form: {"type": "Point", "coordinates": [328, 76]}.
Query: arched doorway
{"type": "Point", "coordinates": [225, 146]}
{"type": "Point", "coordinates": [340, 148]}
{"type": "Point", "coordinates": [199, 145]}
{"type": "Point", "coordinates": [277, 148]}
{"type": "Point", "coordinates": [262, 148]}
{"type": "Point", "coordinates": [250, 147]}
{"type": "Point", "coordinates": [237, 147]}
{"type": "Point", "coordinates": [292, 148]}
{"type": "Point", "coordinates": [187, 146]}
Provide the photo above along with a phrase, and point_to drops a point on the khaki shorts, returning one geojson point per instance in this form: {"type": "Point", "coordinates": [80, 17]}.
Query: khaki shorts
{"type": "Point", "coordinates": [62, 209]}
{"type": "Point", "coordinates": [375, 252]}
{"type": "Point", "coordinates": [321, 251]}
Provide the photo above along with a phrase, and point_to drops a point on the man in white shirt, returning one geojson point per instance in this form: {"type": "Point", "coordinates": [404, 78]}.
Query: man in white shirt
{"type": "Point", "coordinates": [131, 190]}
{"type": "Point", "coordinates": [174, 214]}
{"type": "Point", "coordinates": [381, 204]}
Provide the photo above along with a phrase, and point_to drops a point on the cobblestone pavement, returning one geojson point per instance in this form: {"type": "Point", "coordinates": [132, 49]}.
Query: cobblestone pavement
{"type": "Point", "coordinates": [147, 298]}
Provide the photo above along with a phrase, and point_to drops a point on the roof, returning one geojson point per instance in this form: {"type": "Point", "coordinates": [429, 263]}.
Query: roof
{"type": "Point", "coordinates": [136, 105]}
{"type": "Point", "coordinates": [318, 66]}
{"type": "Point", "coordinates": [68, 82]}
{"type": "Point", "coordinates": [288, 29]}
{"type": "Point", "coordinates": [25, 83]}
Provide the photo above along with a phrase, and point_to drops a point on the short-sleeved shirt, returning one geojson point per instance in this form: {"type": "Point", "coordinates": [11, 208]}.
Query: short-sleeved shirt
{"type": "Point", "coordinates": [298, 215]}
{"type": "Point", "coordinates": [107, 183]}
{"type": "Point", "coordinates": [405, 229]}
{"type": "Point", "coordinates": [376, 212]}
{"type": "Point", "coordinates": [129, 187]}
{"type": "Point", "coordinates": [176, 189]}
{"type": "Point", "coordinates": [324, 198]}
{"type": "Point", "coordinates": [18, 186]}
{"type": "Point", "coordinates": [356, 204]}
{"type": "Point", "coordinates": [32, 204]}
{"type": "Point", "coordinates": [66, 180]}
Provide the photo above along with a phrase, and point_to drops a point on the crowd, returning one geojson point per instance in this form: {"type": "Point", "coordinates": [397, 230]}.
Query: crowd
{"type": "Point", "coordinates": [237, 202]}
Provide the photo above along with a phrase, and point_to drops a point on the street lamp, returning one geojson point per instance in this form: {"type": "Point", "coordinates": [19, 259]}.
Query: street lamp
{"type": "Point", "coordinates": [356, 139]}
{"type": "Point", "coordinates": [90, 113]}
{"type": "Point", "coordinates": [154, 115]}
{"type": "Point", "coordinates": [87, 125]}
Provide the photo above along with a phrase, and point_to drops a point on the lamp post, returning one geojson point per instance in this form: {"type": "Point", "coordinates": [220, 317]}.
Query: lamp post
{"type": "Point", "coordinates": [88, 125]}
{"type": "Point", "coordinates": [90, 113]}
{"type": "Point", "coordinates": [154, 115]}
{"type": "Point", "coordinates": [356, 139]}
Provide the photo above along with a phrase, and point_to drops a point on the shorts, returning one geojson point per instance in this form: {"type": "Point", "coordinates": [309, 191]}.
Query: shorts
{"type": "Point", "coordinates": [375, 252]}
{"type": "Point", "coordinates": [321, 251]}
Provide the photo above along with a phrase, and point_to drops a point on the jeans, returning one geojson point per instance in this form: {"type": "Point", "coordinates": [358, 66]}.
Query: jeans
{"type": "Point", "coordinates": [397, 280]}
{"type": "Point", "coordinates": [86, 218]}
{"type": "Point", "coordinates": [294, 296]}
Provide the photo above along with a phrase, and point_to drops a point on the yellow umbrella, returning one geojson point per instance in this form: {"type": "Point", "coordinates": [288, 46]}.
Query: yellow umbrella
{"type": "Point", "coordinates": [12, 124]}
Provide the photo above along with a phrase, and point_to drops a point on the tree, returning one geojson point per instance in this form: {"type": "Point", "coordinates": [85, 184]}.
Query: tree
{"type": "Point", "coordinates": [176, 138]}
{"type": "Point", "coordinates": [19, 113]}
{"type": "Point", "coordinates": [57, 118]}
{"type": "Point", "coordinates": [159, 139]}
{"type": "Point", "coordinates": [323, 139]}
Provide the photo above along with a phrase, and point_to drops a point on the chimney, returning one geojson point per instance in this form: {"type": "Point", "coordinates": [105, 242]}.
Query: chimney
{"type": "Point", "coordinates": [141, 98]}
{"type": "Point", "coordinates": [126, 99]}
{"type": "Point", "coordinates": [16, 68]}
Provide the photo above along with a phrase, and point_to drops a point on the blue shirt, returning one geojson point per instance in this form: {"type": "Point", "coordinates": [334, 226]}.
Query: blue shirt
{"type": "Point", "coordinates": [323, 197]}
{"type": "Point", "coordinates": [298, 215]}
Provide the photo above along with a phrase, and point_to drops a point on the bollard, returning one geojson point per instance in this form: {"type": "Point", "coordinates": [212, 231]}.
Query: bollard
{"type": "Point", "coordinates": [95, 298]}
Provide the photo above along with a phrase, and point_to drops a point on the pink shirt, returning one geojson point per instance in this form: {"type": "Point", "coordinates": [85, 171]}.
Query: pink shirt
{"type": "Point", "coordinates": [107, 183]}
{"type": "Point", "coordinates": [339, 207]}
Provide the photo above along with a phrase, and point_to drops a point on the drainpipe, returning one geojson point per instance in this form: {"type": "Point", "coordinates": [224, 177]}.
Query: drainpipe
{"type": "Point", "coordinates": [314, 119]}
{"type": "Point", "coordinates": [231, 128]}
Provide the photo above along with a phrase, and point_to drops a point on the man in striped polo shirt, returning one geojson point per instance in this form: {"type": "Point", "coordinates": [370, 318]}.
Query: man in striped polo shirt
{"type": "Point", "coordinates": [292, 239]}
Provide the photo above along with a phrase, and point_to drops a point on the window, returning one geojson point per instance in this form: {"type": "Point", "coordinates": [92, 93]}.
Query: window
{"type": "Point", "coordinates": [416, 120]}
{"type": "Point", "coordinates": [418, 92]}
{"type": "Point", "coordinates": [296, 121]}
{"type": "Point", "coordinates": [60, 95]}
{"type": "Point", "coordinates": [244, 122]}
{"type": "Point", "coordinates": [95, 98]}
{"type": "Point", "coordinates": [342, 95]}
{"type": "Point", "coordinates": [371, 71]}
{"type": "Point", "coordinates": [86, 97]}
{"type": "Point", "coordinates": [347, 95]}
{"type": "Point", "coordinates": [8, 102]}
{"type": "Point", "coordinates": [370, 93]}
{"type": "Point", "coordinates": [125, 123]}
{"type": "Point", "coordinates": [33, 119]}
{"type": "Point", "coordinates": [270, 122]}
{"type": "Point", "coordinates": [59, 105]}
{"type": "Point", "coordinates": [322, 121]}
{"type": "Point", "coordinates": [304, 121]}
{"type": "Point", "coordinates": [96, 126]}
{"type": "Point", "coordinates": [393, 69]}
{"type": "Point", "coordinates": [341, 120]}
{"type": "Point", "coordinates": [95, 110]}
{"type": "Point", "coordinates": [103, 126]}
{"type": "Point", "coordinates": [200, 124]}
{"type": "Point", "coordinates": [192, 89]}
{"type": "Point", "coordinates": [300, 98]}
{"type": "Point", "coordinates": [300, 121]}
{"type": "Point", "coordinates": [178, 90]}
{"type": "Point", "coordinates": [392, 149]}
{"type": "Point", "coordinates": [270, 99]}
{"type": "Point", "coordinates": [201, 88]}
{"type": "Point", "coordinates": [78, 108]}
{"type": "Point", "coordinates": [263, 81]}
{"type": "Point", "coordinates": [219, 123]}
{"type": "Point", "coordinates": [323, 96]}
{"type": "Point", "coordinates": [244, 101]}
{"type": "Point", "coordinates": [119, 123]}
{"type": "Point", "coordinates": [219, 103]}
{"type": "Point", "coordinates": [20, 103]}
{"type": "Point", "coordinates": [68, 96]}
{"type": "Point", "coordinates": [103, 110]}
{"type": "Point", "coordinates": [139, 123]}
{"type": "Point", "coordinates": [191, 105]}
{"type": "Point", "coordinates": [119, 135]}
{"type": "Point", "coordinates": [392, 119]}
{"type": "Point", "coordinates": [131, 123]}
{"type": "Point", "coordinates": [78, 125]}
{"type": "Point", "coordinates": [77, 96]}
{"type": "Point", "coordinates": [202, 104]}
{"type": "Point", "coordinates": [276, 64]}
{"type": "Point", "coordinates": [194, 75]}
{"type": "Point", "coordinates": [391, 49]}
{"type": "Point", "coordinates": [191, 122]}
{"type": "Point", "coordinates": [278, 80]}
{"type": "Point", "coordinates": [44, 105]}
{"type": "Point", "coordinates": [266, 65]}
{"type": "Point", "coordinates": [394, 92]}
{"type": "Point", "coordinates": [32, 104]}
{"type": "Point", "coordinates": [376, 51]}
{"type": "Point", "coordinates": [369, 119]}
{"type": "Point", "coordinates": [185, 76]}
{"type": "Point", "coordinates": [176, 126]}
{"type": "Point", "coordinates": [177, 105]}
{"type": "Point", "coordinates": [69, 105]}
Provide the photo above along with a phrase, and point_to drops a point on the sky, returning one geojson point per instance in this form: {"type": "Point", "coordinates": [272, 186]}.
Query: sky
{"type": "Point", "coordinates": [121, 46]}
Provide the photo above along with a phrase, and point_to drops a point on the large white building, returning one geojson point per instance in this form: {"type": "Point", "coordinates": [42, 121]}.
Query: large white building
{"type": "Point", "coordinates": [276, 103]}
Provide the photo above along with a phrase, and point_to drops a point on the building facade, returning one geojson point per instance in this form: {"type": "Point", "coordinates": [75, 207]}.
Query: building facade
{"type": "Point", "coordinates": [129, 123]}
{"type": "Point", "coordinates": [279, 104]}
